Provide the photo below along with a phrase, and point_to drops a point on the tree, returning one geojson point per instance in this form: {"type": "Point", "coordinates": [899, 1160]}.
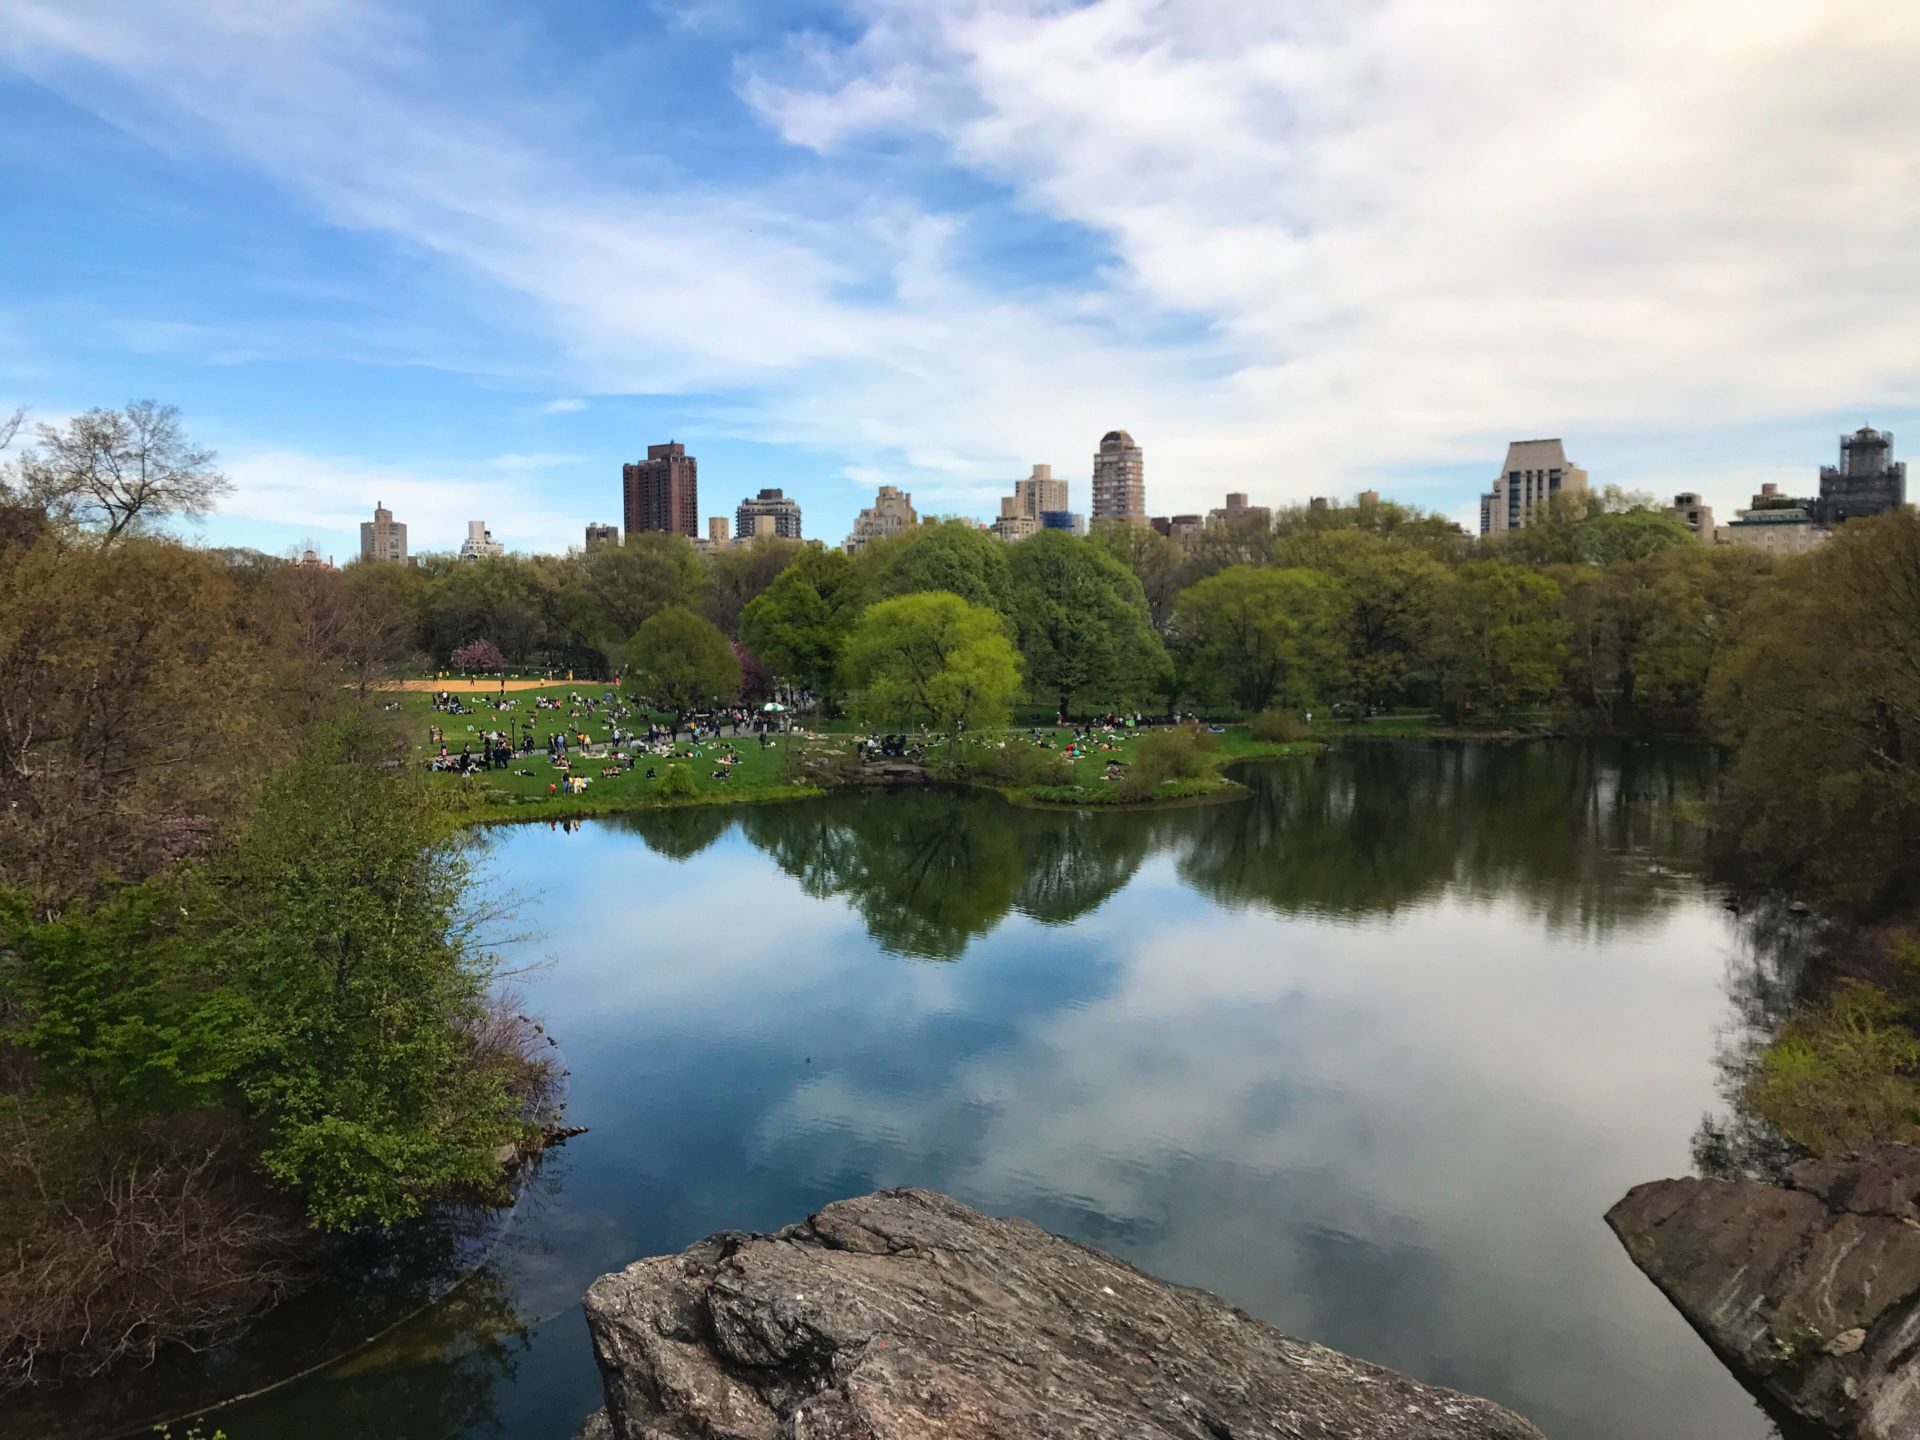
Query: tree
{"type": "Point", "coordinates": [932, 659]}
{"type": "Point", "coordinates": [478, 655]}
{"type": "Point", "coordinates": [682, 663]}
{"type": "Point", "coordinates": [641, 576]}
{"type": "Point", "coordinates": [756, 684]}
{"type": "Point", "coordinates": [1083, 622]}
{"type": "Point", "coordinates": [131, 711]}
{"type": "Point", "coordinates": [122, 470]}
{"type": "Point", "coordinates": [1500, 642]}
{"type": "Point", "coordinates": [1155, 561]}
{"type": "Point", "coordinates": [1392, 593]}
{"type": "Point", "coordinates": [1262, 636]}
{"type": "Point", "coordinates": [800, 623]}
{"type": "Point", "coordinates": [736, 575]}
{"type": "Point", "coordinates": [1611, 539]}
{"type": "Point", "coordinates": [1819, 699]}
{"type": "Point", "coordinates": [950, 555]}
{"type": "Point", "coordinates": [337, 914]}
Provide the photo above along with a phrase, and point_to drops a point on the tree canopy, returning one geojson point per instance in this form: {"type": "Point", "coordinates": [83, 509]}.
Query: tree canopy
{"type": "Point", "coordinates": [1083, 623]}
{"type": "Point", "coordinates": [932, 659]}
{"type": "Point", "coordinates": [682, 663]}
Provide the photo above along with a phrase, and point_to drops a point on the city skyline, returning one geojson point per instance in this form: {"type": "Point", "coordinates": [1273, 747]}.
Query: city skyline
{"type": "Point", "coordinates": [878, 275]}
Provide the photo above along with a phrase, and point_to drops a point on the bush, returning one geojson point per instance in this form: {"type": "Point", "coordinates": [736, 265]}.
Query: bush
{"type": "Point", "coordinates": [1844, 1073]}
{"type": "Point", "coordinates": [1181, 752]}
{"type": "Point", "coordinates": [677, 783]}
{"type": "Point", "coordinates": [1023, 764]}
{"type": "Point", "coordinates": [1278, 727]}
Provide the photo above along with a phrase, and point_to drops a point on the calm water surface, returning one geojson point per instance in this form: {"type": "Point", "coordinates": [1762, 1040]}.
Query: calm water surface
{"type": "Point", "coordinates": [1369, 1054]}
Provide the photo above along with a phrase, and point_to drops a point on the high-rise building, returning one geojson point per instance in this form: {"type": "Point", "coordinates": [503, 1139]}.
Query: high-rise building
{"type": "Point", "coordinates": [598, 535]}
{"type": "Point", "coordinates": [383, 537]}
{"type": "Point", "coordinates": [1119, 479]}
{"type": "Point", "coordinates": [1237, 514]}
{"type": "Point", "coordinates": [480, 543]}
{"type": "Point", "coordinates": [1689, 511]}
{"type": "Point", "coordinates": [1036, 496]}
{"type": "Point", "coordinates": [1536, 471]}
{"type": "Point", "coordinates": [1866, 482]}
{"type": "Point", "coordinates": [662, 492]}
{"type": "Point", "coordinates": [891, 512]}
{"type": "Point", "coordinates": [717, 532]}
{"type": "Point", "coordinates": [785, 514]}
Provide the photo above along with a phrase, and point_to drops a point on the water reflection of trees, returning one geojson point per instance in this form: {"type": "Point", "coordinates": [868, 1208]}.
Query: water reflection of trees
{"type": "Point", "coordinates": [678, 832]}
{"type": "Point", "coordinates": [1765, 980]}
{"type": "Point", "coordinates": [929, 872]}
{"type": "Point", "coordinates": [1586, 836]}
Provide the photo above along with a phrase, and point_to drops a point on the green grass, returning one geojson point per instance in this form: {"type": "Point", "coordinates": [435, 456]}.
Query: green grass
{"type": "Point", "coordinates": [493, 795]}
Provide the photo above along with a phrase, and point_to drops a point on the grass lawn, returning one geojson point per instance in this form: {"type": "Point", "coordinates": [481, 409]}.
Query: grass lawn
{"type": "Point", "coordinates": [762, 773]}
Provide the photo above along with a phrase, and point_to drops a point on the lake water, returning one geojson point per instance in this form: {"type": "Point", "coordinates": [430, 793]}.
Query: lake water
{"type": "Point", "coordinates": [1368, 1054]}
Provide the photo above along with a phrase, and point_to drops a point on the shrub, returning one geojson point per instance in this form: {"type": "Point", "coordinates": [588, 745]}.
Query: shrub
{"type": "Point", "coordinates": [1023, 764]}
{"type": "Point", "coordinates": [1842, 1074]}
{"type": "Point", "coordinates": [1277, 727]}
{"type": "Point", "coordinates": [1176, 753]}
{"type": "Point", "coordinates": [677, 783]}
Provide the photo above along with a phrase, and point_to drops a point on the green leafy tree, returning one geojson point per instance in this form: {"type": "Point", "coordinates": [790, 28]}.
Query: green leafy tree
{"type": "Point", "coordinates": [338, 915]}
{"type": "Point", "coordinates": [932, 659]}
{"type": "Point", "coordinates": [951, 555]}
{"type": "Point", "coordinates": [1263, 637]}
{"type": "Point", "coordinates": [736, 576]}
{"type": "Point", "coordinates": [1500, 642]}
{"type": "Point", "coordinates": [1392, 595]}
{"type": "Point", "coordinates": [682, 663]}
{"type": "Point", "coordinates": [120, 1007]}
{"type": "Point", "coordinates": [1083, 622]}
{"type": "Point", "coordinates": [1611, 539]}
{"type": "Point", "coordinates": [1155, 560]}
{"type": "Point", "coordinates": [1820, 700]}
{"type": "Point", "coordinates": [799, 625]}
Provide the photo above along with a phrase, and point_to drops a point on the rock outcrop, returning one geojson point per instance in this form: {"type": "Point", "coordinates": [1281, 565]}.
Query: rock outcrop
{"type": "Point", "coordinates": [1809, 1291]}
{"type": "Point", "coordinates": [904, 1315]}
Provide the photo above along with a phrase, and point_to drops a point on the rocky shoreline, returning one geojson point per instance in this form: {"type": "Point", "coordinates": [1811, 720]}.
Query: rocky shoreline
{"type": "Point", "coordinates": [1809, 1291]}
{"type": "Point", "coordinates": [904, 1315]}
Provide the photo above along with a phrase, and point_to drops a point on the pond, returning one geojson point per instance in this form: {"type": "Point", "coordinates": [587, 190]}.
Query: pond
{"type": "Point", "coordinates": [1368, 1053]}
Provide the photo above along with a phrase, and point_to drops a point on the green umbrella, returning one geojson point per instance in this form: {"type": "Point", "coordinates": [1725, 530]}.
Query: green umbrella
{"type": "Point", "coordinates": [773, 705]}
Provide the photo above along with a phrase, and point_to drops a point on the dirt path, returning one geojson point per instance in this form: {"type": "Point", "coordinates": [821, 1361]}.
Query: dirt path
{"type": "Point", "coordinates": [476, 687]}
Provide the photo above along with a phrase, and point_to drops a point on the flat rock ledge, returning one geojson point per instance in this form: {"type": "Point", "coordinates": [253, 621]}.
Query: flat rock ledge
{"type": "Point", "coordinates": [903, 1315]}
{"type": "Point", "coordinates": [1809, 1291]}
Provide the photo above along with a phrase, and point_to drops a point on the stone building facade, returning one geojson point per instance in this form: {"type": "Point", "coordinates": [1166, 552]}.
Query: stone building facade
{"type": "Point", "coordinates": [1536, 471]}
{"type": "Point", "coordinates": [891, 513]}
{"type": "Point", "coordinates": [383, 537]}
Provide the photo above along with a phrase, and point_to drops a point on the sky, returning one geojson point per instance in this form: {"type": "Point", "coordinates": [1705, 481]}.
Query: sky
{"type": "Point", "coordinates": [465, 258]}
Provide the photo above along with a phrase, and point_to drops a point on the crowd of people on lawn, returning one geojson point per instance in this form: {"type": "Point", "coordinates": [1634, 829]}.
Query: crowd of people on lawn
{"type": "Point", "coordinates": [571, 751]}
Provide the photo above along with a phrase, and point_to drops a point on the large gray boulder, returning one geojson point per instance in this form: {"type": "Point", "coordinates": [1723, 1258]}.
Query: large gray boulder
{"type": "Point", "coordinates": [904, 1315]}
{"type": "Point", "coordinates": [1809, 1291]}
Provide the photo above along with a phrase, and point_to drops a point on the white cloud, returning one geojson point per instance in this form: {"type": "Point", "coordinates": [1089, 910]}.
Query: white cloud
{"type": "Point", "coordinates": [328, 497]}
{"type": "Point", "coordinates": [567, 405]}
{"type": "Point", "coordinates": [1341, 240]}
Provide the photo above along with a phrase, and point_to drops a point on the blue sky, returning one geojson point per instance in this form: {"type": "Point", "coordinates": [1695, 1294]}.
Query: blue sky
{"type": "Point", "coordinates": [467, 257]}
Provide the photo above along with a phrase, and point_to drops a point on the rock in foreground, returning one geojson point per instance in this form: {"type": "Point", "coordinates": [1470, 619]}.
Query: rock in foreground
{"type": "Point", "coordinates": [904, 1315]}
{"type": "Point", "coordinates": [1811, 1291]}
